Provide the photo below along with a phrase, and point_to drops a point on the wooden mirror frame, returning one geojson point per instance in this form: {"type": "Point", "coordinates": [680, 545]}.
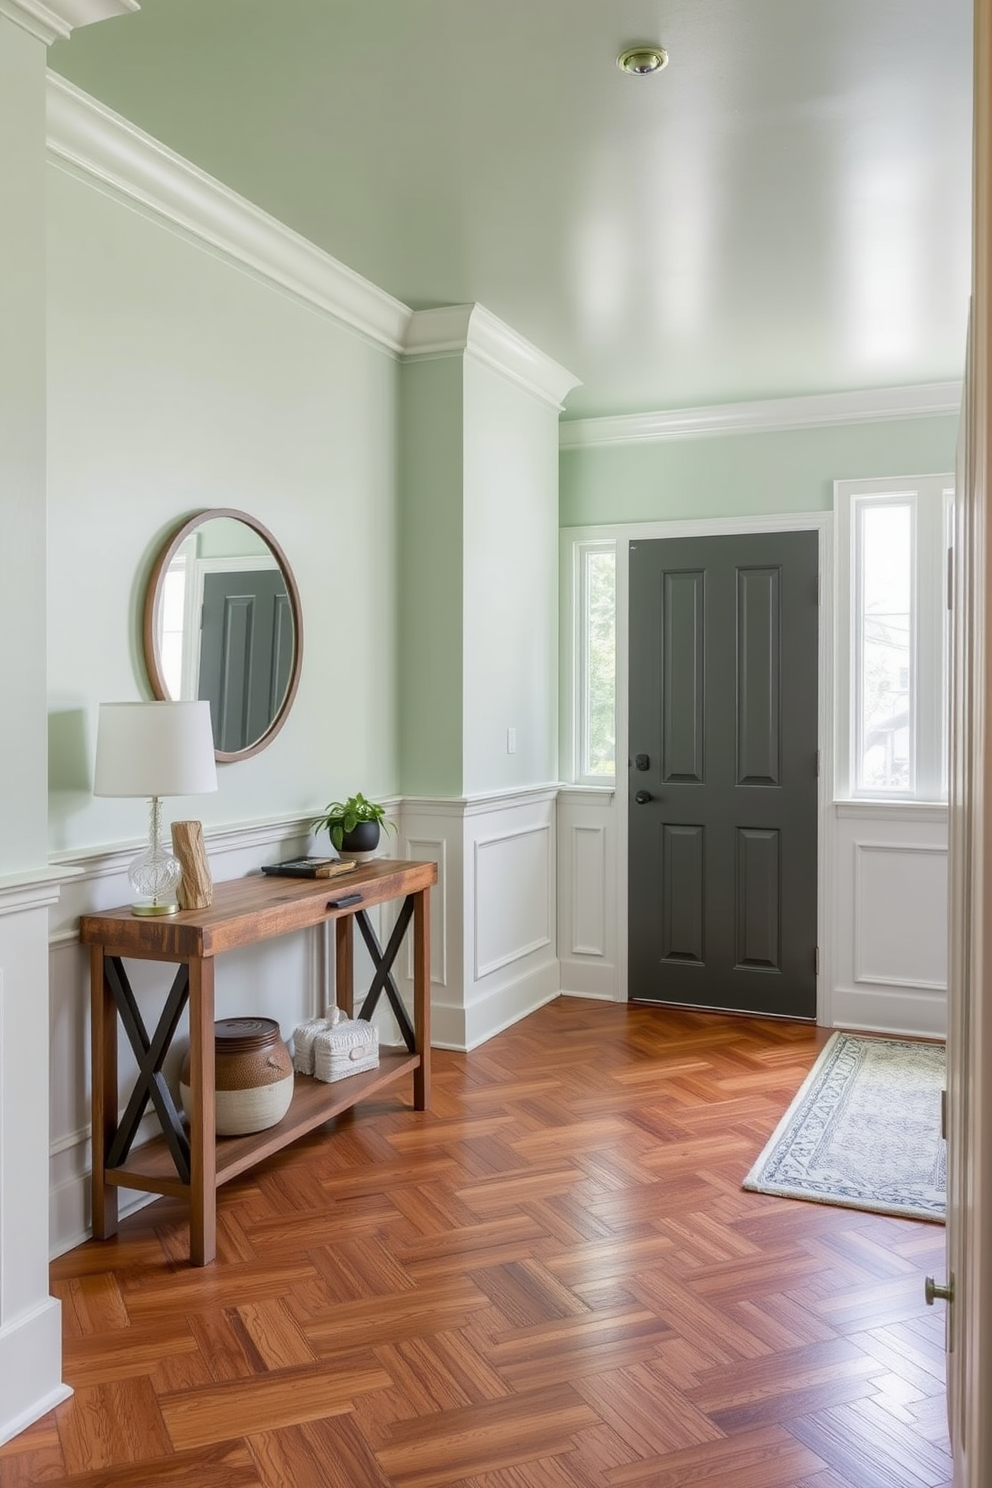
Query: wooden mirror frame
{"type": "Point", "coordinates": [153, 601]}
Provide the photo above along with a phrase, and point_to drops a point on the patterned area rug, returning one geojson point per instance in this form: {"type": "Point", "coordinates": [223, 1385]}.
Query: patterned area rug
{"type": "Point", "coordinates": [863, 1131]}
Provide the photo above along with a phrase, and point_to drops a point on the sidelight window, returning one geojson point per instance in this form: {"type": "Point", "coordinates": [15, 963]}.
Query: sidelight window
{"type": "Point", "coordinates": [892, 662]}
{"type": "Point", "coordinates": [596, 662]}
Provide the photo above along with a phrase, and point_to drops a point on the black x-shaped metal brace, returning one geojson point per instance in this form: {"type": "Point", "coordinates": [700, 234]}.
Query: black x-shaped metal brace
{"type": "Point", "coordinates": [150, 1053]}
{"type": "Point", "coordinates": [383, 963]}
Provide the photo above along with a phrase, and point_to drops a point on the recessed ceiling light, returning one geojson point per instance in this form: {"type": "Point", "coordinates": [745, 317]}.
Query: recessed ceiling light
{"type": "Point", "coordinates": [642, 60]}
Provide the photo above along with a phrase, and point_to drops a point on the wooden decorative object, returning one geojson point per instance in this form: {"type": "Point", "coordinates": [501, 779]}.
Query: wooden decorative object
{"type": "Point", "coordinates": [196, 889]}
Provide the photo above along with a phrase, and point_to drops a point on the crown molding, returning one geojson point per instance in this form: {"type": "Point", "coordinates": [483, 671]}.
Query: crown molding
{"type": "Point", "coordinates": [55, 20]}
{"type": "Point", "coordinates": [88, 138]}
{"type": "Point", "coordinates": [773, 415]}
{"type": "Point", "coordinates": [475, 331]}
{"type": "Point", "coordinates": [91, 139]}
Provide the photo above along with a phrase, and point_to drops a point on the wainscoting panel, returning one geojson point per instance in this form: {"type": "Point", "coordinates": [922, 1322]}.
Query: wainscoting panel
{"type": "Point", "coordinates": [513, 888]}
{"type": "Point", "coordinates": [894, 948]}
{"type": "Point", "coordinates": [587, 897]}
{"type": "Point", "coordinates": [890, 918]}
{"type": "Point", "coordinates": [587, 868]}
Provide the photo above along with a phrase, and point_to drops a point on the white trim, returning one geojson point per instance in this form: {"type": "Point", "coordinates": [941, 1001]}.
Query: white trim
{"type": "Point", "coordinates": [772, 415]}
{"type": "Point", "coordinates": [474, 330]}
{"type": "Point", "coordinates": [30, 1363]}
{"type": "Point", "coordinates": [102, 862]}
{"type": "Point", "coordinates": [18, 894]}
{"type": "Point", "coordinates": [55, 20]}
{"type": "Point", "coordinates": [460, 806]}
{"type": "Point", "coordinates": [820, 522]}
{"type": "Point", "coordinates": [90, 138]}
{"type": "Point", "coordinates": [898, 810]}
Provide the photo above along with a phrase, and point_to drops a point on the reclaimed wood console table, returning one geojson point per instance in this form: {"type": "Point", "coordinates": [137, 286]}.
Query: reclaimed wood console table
{"type": "Point", "coordinates": [188, 1161]}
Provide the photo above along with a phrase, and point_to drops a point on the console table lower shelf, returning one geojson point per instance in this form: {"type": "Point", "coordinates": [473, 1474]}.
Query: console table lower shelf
{"type": "Point", "coordinates": [188, 1161]}
{"type": "Point", "coordinates": [151, 1166]}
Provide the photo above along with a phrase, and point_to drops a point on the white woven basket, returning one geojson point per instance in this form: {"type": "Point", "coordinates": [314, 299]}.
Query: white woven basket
{"type": "Point", "coordinates": [346, 1049]}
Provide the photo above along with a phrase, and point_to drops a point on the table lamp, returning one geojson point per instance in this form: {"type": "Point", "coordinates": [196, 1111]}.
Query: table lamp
{"type": "Point", "coordinates": [154, 750]}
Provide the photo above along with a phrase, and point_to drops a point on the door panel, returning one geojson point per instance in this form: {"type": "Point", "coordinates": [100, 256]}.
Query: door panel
{"type": "Point", "coordinates": [722, 815]}
{"type": "Point", "coordinates": [759, 677]}
{"type": "Point", "coordinates": [246, 653]}
{"type": "Point", "coordinates": [682, 677]}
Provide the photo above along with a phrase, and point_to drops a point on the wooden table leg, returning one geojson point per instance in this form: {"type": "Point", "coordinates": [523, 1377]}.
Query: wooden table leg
{"type": "Point", "coordinates": [103, 1030]}
{"type": "Point", "coordinates": [203, 1141]}
{"type": "Point", "coordinates": [422, 998]}
{"type": "Point", "coordinates": [344, 969]}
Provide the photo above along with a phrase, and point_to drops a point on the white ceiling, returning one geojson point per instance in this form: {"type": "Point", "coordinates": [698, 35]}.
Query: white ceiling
{"type": "Point", "coordinates": [784, 210]}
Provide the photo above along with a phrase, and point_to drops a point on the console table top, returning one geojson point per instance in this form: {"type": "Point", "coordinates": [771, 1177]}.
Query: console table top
{"type": "Point", "coordinates": [257, 907]}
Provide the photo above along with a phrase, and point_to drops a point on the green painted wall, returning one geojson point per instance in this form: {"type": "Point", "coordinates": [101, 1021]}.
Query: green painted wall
{"type": "Point", "coordinates": [23, 808]}
{"type": "Point", "coordinates": [511, 587]}
{"type": "Point", "coordinates": [178, 382]}
{"type": "Point", "coordinates": [430, 576]}
{"type": "Point", "coordinates": [478, 580]}
{"type": "Point", "coordinates": [746, 474]}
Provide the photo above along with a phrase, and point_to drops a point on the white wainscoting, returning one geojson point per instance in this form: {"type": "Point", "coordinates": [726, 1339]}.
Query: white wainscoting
{"type": "Point", "coordinates": [494, 910]}
{"type": "Point", "coordinates": [890, 918]}
{"type": "Point", "coordinates": [30, 1319]}
{"type": "Point", "coordinates": [587, 898]}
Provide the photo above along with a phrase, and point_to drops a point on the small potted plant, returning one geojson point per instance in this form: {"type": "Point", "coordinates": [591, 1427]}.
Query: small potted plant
{"type": "Point", "coordinates": [353, 826]}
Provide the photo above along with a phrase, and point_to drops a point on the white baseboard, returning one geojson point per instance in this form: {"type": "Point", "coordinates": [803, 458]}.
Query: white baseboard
{"type": "Point", "coordinates": [30, 1374]}
{"type": "Point", "coordinates": [507, 1004]}
{"type": "Point", "coordinates": [900, 1011]}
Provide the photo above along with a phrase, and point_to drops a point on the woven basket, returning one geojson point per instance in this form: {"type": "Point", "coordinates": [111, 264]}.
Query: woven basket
{"type": "Point", "coordinates": [346, 1049]}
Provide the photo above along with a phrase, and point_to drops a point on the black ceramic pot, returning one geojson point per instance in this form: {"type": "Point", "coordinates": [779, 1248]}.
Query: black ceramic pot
{"type": "Point", "coordinates": [361, 839]}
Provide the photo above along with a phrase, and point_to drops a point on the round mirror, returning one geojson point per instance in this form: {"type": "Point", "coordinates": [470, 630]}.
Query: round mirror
{"type": "Point", "coordinates": [222, 623]}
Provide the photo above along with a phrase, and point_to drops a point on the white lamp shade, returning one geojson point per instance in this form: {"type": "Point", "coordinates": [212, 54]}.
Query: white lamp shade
{"type": "Point", "coordinates": [154, 749]}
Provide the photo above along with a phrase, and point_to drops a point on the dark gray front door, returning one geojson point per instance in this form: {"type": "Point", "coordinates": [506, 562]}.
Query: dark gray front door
{"type": "Point", "coordinates": [723, 739]}
{"type": "Point", "coordinates": [246, 652]}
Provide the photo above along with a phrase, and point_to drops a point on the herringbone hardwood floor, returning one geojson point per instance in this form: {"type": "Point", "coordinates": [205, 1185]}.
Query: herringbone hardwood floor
{"type": "Point", "coordinates": [551, 1280]}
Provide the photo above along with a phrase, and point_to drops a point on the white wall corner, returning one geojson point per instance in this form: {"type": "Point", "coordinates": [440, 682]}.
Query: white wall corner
{"type": "Point", "coordinates": [55, 20]}
{"type": "Point", "coordinates": [769, 416]}
{"type": "Point", "coordinates": [96, 142]}
{"type": "Point", "coordinates": [474, 330]}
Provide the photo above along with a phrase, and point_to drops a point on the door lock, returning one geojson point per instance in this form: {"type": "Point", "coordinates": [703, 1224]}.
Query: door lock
{"type": "Point", "coordinates": [932, 1292]}
{"type": "Point", "coordinates": [641, 762]}
{"type": "Point", "coordinates": [642, 798]}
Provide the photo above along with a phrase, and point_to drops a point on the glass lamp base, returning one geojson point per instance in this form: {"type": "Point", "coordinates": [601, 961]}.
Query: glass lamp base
{"type": "Point", "coordinates": [155, 873]}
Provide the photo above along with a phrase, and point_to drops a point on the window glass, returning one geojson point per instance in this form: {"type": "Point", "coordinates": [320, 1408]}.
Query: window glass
{"type": "Point", "coordinates": [885, 738]}
{"type": "Point", "coordinates": [598, 663]}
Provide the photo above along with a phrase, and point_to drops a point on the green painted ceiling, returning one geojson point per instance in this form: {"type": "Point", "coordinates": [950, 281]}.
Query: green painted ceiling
{"type": "Point", "coordinates": [783, 210]}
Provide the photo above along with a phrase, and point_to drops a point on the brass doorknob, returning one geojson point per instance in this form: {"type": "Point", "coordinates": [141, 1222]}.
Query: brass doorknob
{"type": "Point", "coordinates": [932, 1291]}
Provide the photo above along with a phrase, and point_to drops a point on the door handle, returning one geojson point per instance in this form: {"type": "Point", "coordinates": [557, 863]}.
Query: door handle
{"type": "Point", "coordinates": [643, 797]}
{"type": "Point", "coordinates": [932, 1291]}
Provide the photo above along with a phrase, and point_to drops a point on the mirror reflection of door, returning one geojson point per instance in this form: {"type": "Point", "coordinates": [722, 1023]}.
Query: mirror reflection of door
{"type": "Point", "coordinates": [246, 652]}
